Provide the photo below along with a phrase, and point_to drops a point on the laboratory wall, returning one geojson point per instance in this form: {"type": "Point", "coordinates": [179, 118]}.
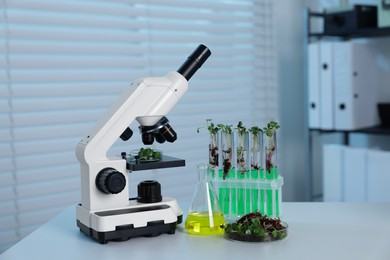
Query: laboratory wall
{"type": "Point", "coordinates": [290, 38]}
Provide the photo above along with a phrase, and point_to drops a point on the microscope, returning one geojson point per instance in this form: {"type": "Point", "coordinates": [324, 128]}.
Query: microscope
{"type": "Point", "coordinates": [106, 213]}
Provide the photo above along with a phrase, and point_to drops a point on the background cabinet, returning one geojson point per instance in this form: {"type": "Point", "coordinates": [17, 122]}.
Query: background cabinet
{"type": "Point", "coordinates": [376, 136]}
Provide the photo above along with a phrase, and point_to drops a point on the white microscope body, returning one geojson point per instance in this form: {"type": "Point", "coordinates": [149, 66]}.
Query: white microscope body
{"type": "Point", "coordinates": [106, 212]}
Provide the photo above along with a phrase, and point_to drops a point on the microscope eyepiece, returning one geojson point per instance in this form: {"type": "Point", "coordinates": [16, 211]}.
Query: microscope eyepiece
{"type": "Point", "coordinates": [194, 61]}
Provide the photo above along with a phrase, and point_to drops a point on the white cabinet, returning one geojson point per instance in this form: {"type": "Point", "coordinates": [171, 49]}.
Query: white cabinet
{"type": "Point", "coordinates": [355, 174]}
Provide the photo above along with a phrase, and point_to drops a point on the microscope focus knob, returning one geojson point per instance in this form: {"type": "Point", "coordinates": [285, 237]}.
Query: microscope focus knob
{"type": "Point", "coordinates": [149, 192]}
{"type": "Point", "coordinates": [111, 181]}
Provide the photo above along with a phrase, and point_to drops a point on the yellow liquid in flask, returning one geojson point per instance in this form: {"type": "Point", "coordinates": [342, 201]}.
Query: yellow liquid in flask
{"type": "Point", "coordinates": [199, 223]}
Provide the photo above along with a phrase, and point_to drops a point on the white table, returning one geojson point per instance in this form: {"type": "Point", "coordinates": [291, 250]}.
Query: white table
{"type": "Point", "coordinates": [316, 231]}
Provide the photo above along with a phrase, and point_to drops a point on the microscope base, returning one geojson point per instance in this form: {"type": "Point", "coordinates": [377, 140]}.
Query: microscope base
{"type": "Point", "coordinates": [151, 219]}
{"type": "Point", "coordinates": [151, 230]}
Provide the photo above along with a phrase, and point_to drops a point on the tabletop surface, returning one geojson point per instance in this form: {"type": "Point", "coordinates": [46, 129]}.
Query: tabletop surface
{"type": "Point", "coordinates": [316, 231]}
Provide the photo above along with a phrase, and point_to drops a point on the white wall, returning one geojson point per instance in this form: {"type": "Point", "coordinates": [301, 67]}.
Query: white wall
{"type": "Point", "coordinates": [290, 36]}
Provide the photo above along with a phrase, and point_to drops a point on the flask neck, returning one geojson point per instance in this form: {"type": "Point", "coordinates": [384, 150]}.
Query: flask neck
{"type": "Point", "coordinates": [202, 172]}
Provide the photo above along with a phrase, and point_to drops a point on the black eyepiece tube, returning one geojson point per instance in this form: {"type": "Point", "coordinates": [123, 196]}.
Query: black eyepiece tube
{"type": "Point", "coordinates": [194, 61]}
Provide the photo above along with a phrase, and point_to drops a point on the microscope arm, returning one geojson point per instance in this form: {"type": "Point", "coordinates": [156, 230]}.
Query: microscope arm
{"type": "Point", "coordinates": [147, 101]}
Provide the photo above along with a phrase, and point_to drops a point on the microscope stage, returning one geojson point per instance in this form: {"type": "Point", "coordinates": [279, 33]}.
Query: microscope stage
{"type": "Point", "coordinates": [165, 162]}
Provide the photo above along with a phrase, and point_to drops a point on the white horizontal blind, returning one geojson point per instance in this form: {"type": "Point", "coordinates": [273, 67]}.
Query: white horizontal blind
{"type": "Point", "coordinates": [63, 63]}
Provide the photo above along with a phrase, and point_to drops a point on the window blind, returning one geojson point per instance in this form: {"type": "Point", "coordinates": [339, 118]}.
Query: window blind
{"type": "Point", "coordinates": [63, 63]}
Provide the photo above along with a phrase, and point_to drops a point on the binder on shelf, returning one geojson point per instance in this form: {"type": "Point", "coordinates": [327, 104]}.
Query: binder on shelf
{"type": "Point", "coordinates": [384, 13]}
{"type": "Point", "coordinates": [327, 86]}
{"type": "Point", "coordinates": [332, 172]}
{"type": "Point", "coordinates": [355, 93]}
{"type": "Point", "coordinates": [314, 85]}
{"type": "Point", "coordinates": [378, 176]}
{"type": "Point", "coordinates": [355, 163]}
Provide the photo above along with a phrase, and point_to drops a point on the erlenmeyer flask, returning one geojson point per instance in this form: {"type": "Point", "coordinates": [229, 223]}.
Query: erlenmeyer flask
{"type": "Point", "coordinates": [204, 216]}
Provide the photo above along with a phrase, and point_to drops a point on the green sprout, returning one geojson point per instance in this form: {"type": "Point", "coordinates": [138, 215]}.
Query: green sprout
{"type": "Point", "coordinates": [255, 163]}
{"type": "Point", "coordinates": [241, 129]}
{"type": "Point", "coordinates": [147, 154]}
{"type": "Point", "coordinates": [210, 127]}
{"type": "Point", "coordinates": [256, 227]}
{"type": "Point", "coordinates": [226, 129]}
{"type": "Point", "coordinates": [255, 130]}
{"type": "Point", "coordinates": [226, 151]}
{"type": "Point", "coordinates": [271, 128]}
{"type": "Point", "coordinates": [213, 146]}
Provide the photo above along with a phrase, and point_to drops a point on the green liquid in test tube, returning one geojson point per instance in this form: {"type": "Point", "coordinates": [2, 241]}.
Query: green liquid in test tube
{"type": "Point", "coordinates": [274, 172]}
{"type": "Point", "coordinates": [256, 173]}
{"type": "Point", "coordinates": [262, 194]}
{"type": "Point", "coordinates": [248, 196]}
{"type": "Point", "coordinates": [272, 175]}
{"type": "Point", "coordinates": [223, 194]}
{"type": "Point", "coordinates": [240, 196]}
{"type": "Point", "coordinates": [255, 192]}
{"type": "Point", "coordinates": [233, 193]}
{"type": "Point", "coordinates": [270, 145]}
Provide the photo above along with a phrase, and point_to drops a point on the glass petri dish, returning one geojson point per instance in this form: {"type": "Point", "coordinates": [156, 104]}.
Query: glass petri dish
{"type": "Point", "coordinates": [151, 155]}
{"type": "Point", "coordinates": [269, 237]}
